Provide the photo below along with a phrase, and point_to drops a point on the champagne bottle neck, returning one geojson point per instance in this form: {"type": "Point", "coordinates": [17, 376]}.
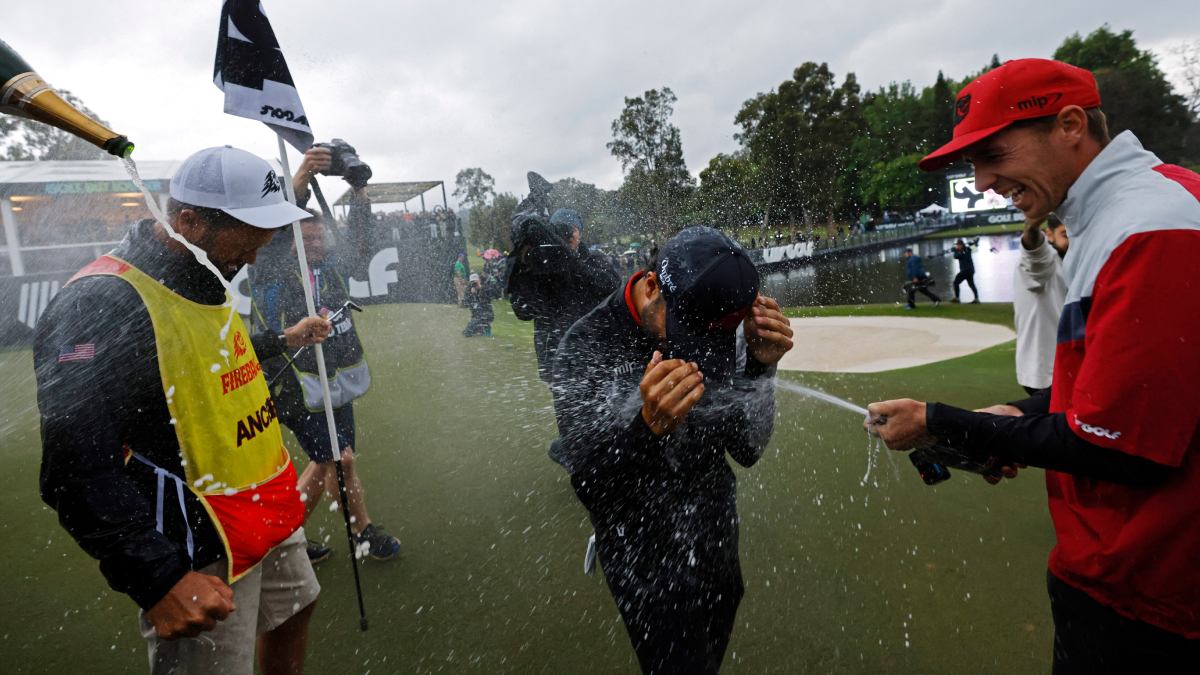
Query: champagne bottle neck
{"type": "Point", "coordinates": [27, 95]}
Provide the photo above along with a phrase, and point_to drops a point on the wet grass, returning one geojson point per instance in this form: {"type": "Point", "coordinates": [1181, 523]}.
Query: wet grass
{"type": "Point", "coordinates": [842, 575]}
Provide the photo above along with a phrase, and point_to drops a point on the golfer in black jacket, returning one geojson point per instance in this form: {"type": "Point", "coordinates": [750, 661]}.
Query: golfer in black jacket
{"type": "Point", "coordinates": [651, 389]}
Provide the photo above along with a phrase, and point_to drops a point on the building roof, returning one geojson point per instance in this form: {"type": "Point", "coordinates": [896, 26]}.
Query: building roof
{"type": "Point", "coordinates": [82, 171]}
{"type": "Point", "coordinates": [392, 193]}
{"type": "Point", "coordinates": [81, 177]}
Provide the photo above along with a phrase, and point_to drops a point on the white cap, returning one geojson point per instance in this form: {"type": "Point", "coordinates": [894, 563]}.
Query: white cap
{"type": "Point", "coordinates": [474, 277]}
{"type": "Point", "coordinates": [237, 182]}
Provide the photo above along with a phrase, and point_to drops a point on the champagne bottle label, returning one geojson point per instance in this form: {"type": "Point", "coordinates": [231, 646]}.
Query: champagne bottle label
{"type": "Point", "coordinates": [19, 91]}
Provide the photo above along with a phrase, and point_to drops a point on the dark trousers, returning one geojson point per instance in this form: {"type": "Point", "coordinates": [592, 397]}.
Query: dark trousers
{"type": "Point", "coordinates": [913, 289]}
{"type": "Point", "coordinates": [968, 277]}
{"type": "Point", "coordinates": [1093, 639]}
{"type": "Point", "coordinates": [478, 326]}
{"type": "Point", "coordinates": [674, 634]}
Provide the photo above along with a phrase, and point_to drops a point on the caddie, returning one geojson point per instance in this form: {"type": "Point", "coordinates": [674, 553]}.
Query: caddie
{"type": "Point", "coordinates": [162, 454]}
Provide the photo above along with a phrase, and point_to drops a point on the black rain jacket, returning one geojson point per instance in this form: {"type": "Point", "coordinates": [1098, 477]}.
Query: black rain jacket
{"type": "Point", "coordinates": [553, 286]}
{"type": "Point", "coordinates": [664, 508]}
{"type": "Point", "coordinates": [92, 410]}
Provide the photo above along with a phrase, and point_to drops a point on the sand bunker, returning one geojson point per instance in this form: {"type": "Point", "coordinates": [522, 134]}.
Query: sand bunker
{"type": "Point", "coordinates": [870, 344]}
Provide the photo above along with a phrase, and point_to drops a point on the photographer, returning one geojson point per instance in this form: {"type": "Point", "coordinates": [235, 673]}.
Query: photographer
{"type": "Point", "coordinates": [918, 280]}
{"type": "Point", "coordinates": [480, 303]}
{"type": "Point", "coordinates": [276, 261]}
{"type": "Point", "coordinates": [553, 279]}
{"type": "Point", "coordinates": [300, 401]}
{"type": "Point", "coordinates": [339, 158]}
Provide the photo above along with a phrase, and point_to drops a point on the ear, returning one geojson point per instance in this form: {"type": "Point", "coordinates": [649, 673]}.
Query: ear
{"type": "Point", "coordinates": [1072, 123]}
{"type": "Point", "coordinates": [651, 285]}
{"type": "Point", "coordinates": [189, 224]}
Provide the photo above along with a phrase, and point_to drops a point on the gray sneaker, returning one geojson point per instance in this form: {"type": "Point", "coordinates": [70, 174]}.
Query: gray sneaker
{"type": "Point", "coordinates": [380, 544]}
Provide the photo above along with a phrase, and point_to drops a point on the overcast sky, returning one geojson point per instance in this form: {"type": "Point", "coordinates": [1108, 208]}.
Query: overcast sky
{"type": "Point", "coordinates": [423, 89]}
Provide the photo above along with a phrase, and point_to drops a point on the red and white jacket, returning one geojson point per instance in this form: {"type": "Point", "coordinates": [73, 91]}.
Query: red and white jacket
{"type": "Point", "coordinates": [1127, 377]}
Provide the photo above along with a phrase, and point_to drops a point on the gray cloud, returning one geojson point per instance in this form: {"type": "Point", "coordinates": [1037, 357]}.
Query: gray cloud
{"type": "Point", "coordinates": [424, 89]}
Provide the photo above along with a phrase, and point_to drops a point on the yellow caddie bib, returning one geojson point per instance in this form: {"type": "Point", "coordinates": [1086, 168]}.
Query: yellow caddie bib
{"type": "Point", "coordinates": [224, 418]}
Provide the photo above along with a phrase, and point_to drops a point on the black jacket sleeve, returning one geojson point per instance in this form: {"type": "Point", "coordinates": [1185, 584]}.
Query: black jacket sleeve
{"type": "Point", "coordinates": [523, 294]}
{"type": "Point", "coordinates": [83, 404]}
{"type": "Point", "coordinates": [594, 278]}
{"type": "Point", "coordinates": [1038, 403]}
{"type": "Point", "coordinates": [267, 345]}
{"type": "Point", "coordinates": [1039, 439]}
{"type": "Point", "coordinates": [738, 417]}
{"type": "Point", "coordinates": [601, 426]}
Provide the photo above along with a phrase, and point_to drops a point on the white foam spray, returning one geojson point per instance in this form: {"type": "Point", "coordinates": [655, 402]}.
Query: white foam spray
{"type": "Point", "coordinates": [873, 444]}
{"type": "Point", "coordinates": [201, 256]}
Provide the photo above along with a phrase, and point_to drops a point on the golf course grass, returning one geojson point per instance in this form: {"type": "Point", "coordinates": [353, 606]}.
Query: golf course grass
{"type": "Point", "coordinates": [978, 231]}
{"type": "Point", "coordinates": [842, 574]}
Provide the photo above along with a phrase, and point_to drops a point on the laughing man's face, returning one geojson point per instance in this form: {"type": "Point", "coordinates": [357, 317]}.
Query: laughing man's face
{"type": "Point", "coordinates": [1025, 164]}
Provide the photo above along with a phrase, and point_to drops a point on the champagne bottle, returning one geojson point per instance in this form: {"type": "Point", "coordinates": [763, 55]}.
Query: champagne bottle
{"type": "Point", "coordinates": [25, 94]}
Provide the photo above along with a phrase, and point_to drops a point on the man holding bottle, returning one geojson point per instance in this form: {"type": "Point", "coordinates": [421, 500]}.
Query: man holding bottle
{"type": "Point", "coordinates": [1117, 431]}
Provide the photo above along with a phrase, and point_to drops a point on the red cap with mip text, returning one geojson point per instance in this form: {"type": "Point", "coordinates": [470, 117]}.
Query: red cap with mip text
{"type": "Point", "coordinates": [1018, 90]}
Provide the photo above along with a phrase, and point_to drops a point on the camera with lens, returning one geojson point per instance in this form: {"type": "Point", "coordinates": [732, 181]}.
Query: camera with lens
{"type": "Point", "coordinates": [346, 163]}
{"type": "Point", "coordinates": [540, 247]}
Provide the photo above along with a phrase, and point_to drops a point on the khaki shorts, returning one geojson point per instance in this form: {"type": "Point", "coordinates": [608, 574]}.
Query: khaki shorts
{"type": "Point", "coordinates": [270, 594]}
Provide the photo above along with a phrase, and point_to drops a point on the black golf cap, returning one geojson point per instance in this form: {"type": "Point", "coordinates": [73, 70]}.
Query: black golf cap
{"type": "Point", "coordinates": [709, 285]}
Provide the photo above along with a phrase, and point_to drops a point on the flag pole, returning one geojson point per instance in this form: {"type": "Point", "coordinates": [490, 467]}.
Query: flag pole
{"type": "Point", "coordinates": [306, 281]}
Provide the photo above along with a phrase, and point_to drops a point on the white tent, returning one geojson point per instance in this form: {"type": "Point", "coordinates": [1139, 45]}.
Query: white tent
{"type": "Point", "coordinates": [933, 209]}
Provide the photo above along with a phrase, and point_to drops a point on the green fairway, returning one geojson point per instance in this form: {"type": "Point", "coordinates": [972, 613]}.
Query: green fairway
{"type": "Point", "coordinates": [979, 231]}
{"type": "Point", "coordinates": [986, 312]}
{"type": "Point", "coordinates": [842, 574]}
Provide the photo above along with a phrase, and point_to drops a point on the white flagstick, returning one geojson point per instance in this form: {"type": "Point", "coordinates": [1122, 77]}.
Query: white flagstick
{"type": "Point", "coordinates": [308, 301]}
{"type": "Point", "coordinates": [329, 421]}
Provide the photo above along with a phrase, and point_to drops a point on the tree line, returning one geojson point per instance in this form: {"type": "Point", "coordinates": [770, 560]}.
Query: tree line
{"type": "Point", "coordinates": [813, 151]}
{"type": "Point", "coordinates": [817, 150]}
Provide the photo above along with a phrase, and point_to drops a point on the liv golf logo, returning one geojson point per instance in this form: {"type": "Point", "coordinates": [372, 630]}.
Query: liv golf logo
{"type": "Point", "coordinates": [35, 295]}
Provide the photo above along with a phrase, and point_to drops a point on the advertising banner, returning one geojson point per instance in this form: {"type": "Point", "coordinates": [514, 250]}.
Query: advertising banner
{"type": "Point", "coordinates": [964, 198]}
{"type": "Point", "coordinates": [388, 271]}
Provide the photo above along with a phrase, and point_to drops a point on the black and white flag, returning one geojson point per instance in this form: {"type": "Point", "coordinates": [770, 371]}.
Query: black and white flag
{"type": "Point", "coordinates": [250, 69]}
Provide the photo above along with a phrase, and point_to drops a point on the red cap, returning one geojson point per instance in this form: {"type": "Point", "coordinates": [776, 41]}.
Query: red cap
{"type": "Point", "coordinates": [1018, 90]}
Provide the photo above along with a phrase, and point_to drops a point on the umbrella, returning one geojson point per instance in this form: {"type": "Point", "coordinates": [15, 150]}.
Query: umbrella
{"type": "Point", "coordinates": [491, 254]}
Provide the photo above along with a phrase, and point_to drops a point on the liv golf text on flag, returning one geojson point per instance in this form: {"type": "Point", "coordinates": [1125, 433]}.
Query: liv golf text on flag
{"type": "Point", "coordinates": [250, 69]}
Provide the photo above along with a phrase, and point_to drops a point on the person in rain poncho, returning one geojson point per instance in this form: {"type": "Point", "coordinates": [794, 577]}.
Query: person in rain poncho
{"type": "Point", "coordinates": [300, 400]}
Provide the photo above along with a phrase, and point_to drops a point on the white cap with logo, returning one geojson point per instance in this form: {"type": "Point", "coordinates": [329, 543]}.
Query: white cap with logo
{"type": "Point", "coordinates": [237, 182]}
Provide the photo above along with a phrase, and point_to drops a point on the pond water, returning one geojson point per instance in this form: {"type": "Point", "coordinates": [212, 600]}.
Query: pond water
{"type": "Point", "coordinates": [877, 276]}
